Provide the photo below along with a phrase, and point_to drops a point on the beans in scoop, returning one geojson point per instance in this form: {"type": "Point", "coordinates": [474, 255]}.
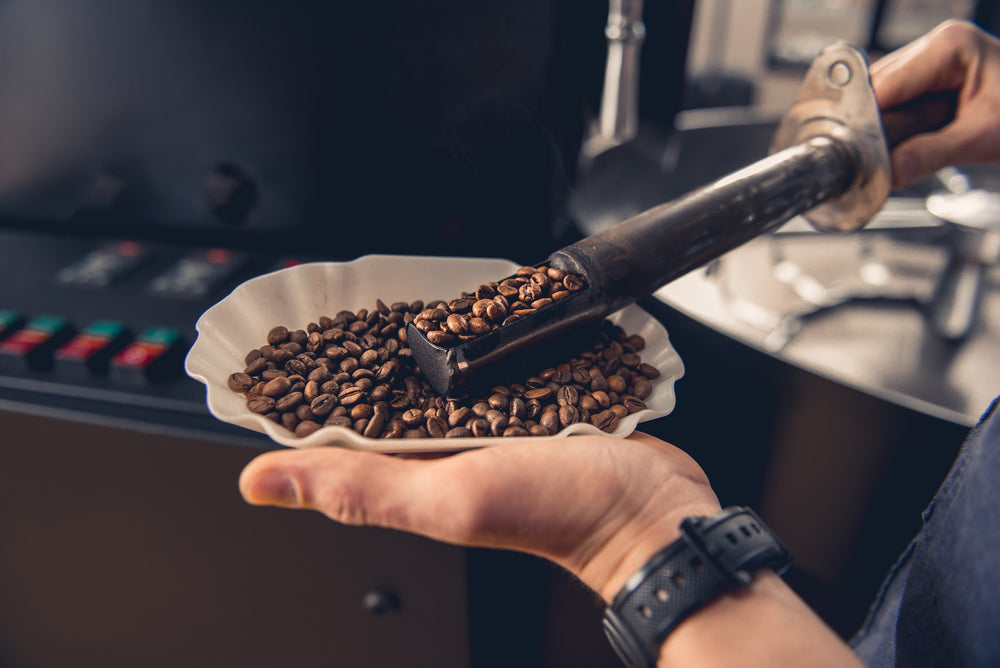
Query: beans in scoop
{"type": "Point", "coordinates": [495, 304]}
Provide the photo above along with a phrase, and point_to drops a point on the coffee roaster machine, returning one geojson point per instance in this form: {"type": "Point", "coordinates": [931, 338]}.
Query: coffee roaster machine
{"type": "Point", "coordinates": [159, 154]}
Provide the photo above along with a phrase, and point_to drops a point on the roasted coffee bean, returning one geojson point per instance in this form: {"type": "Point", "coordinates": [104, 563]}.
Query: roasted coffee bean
{"type": "Point", "coordinates": [256, 366]}
{"type": "Point", "coordinates": [633, 404]}
{"type": "Point", "coordinates": [361, 411]}
{"type": "Point", "coordinates": [350, 395]}
{"type": "Point", "coordinates": [381, 393]}
{"type": "Point", "coordinates": [459, 416]}
{"type": "Point", "coordinates": [440, 338]}
{"type": "Point", "coordinates": [240, 382]}
{"type": "Point", "coordinates": [480, 427]}
{"type": "Point", "coordinates": [280, 356]}
{"type": "Point", "coordinates": [394, 429]}
{"type": "Point", "coordinates": [498, 425]}
{"type": "Point", "coordinates": [498, 401]}
{"type": "Point", "coordinates": [568, 395]}
{"type": "Point", "coordinates": [363, 378]}
{"type": "Point", "coordinates": [261, 404]}
{"type": "Point", "coordinates": [320, 374]}
{"type": "Point", "coordinates": [293, 348]}
{"type": "Point", "coordinates": [306, 427]}
{"type": "Point", "coordinates": [412, 417]}
{"type": "Point", "coordinates": [616, 383]}
{"type": "Point", "coordinates": [461, 304]}
{"type": "Point", "coordinates": [276, 386]}
{"type": "Point", "coordinates": [589, 403]}
{"type": "Point", "coordinates": [289, 421]}
{"type": "Point", "coordinates": [539, 393]}
{"type": "Point", "coordinates": [375, 426]}
{"type": "Point", "coordinates": [368, 358]}
{"type": "Point", "coordinates": [642, 388]}
{"type": "Point", "coordinates": [289, 401]}
{"type": "Point", "coordinates": [601, 398]}
{"type": "Point", "coordinates": [581, 375]}
{"type": "Point", "coordinates": [277, 335]}
{"type": "Point", "coordinates": [311, 391]}
{"type": "Point", "coordinates": [598, 381]}
{"type": "Point", "coordinates": [568, 414]}
{"type": "Point", "coordinates": [338, 421]}
{"type": "Point", "coordinates": [457, 324]}
{"type": "Point", "coordinates": [323, 404]}
{"type": "Point", "coordinates": [631, 360]}
{"type": "Point", "coordinates": [649, 371]}
{"type": "Point", "coordinates": [605, 420]}
{"type": "Point", "coordinates": [458, 432]}
{"type": "Point", "coordinates": [436, 427]}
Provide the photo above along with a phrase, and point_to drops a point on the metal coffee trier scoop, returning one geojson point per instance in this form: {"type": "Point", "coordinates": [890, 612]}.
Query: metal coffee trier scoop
{"type": "Point", "coordinates": [829, 162]}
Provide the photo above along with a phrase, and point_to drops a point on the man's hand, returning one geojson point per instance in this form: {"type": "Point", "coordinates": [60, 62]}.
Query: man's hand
{"type": "Point", "coordinates": [955, 56]}
{"type": "Point", "coordinates": [599, 506]}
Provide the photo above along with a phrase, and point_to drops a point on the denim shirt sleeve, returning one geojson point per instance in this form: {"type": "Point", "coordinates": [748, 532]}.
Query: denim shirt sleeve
{"type": "Point", "coordinates": [940, 603]}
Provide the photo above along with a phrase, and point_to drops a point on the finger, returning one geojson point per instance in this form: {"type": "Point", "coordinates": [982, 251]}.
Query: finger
{"type": "Point", "coordinates": [500, 496]}
{"type": "Point", "coordinates": [351, 487]}
{"type": "Point", "coordinates": [935, 62]}
{"type": "Point", "coordinates": [967, 140]}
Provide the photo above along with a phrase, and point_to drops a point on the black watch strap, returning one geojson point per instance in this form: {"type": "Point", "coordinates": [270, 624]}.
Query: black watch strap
{"type": "Point", "coordinates": [713, 555]}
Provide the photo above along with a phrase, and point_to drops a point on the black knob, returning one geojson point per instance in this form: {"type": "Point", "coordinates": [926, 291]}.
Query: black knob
{"type": "Point", "coordinates": [231, 195]}
{"type": "Point", "coordinates": [380, 602]}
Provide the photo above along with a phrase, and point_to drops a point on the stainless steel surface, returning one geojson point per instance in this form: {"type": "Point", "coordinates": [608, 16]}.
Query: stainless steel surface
{"type": "Point", "coordinates": [853, 313]}
{"type": "Point", "coordinates": [836, 100]}
{"type": "Point", "coordinates": [974, 215]}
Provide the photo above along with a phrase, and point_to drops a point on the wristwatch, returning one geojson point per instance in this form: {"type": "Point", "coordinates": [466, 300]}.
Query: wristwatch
{"type": "Point", "coordinates": [713, 555]}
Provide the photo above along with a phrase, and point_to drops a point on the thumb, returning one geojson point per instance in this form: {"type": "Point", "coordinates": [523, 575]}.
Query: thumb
{"type": "Point", "coordinates": [350, 487]}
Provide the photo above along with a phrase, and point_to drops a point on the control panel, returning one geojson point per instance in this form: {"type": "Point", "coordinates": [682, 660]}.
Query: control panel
{"type": "Point", "coordinates": [101, 326]}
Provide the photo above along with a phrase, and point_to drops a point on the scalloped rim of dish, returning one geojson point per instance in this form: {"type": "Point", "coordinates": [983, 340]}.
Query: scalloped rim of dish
{"type": "Point", "coordinates": [262, 302]}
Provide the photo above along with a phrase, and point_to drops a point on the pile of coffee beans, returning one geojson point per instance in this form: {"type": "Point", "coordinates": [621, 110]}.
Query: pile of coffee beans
{"type": "Point", "coordinates": [355, 370]}
{"type": "Point", "coordinates": [496, 304]}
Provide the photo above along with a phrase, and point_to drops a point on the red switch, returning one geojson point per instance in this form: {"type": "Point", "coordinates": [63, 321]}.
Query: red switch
{"type": "Point", "coordinates": [30, 348]}
{"type": "Point", "coordinates": [154, 356]}
{"type": "Point", "coordinates": [89, 352]}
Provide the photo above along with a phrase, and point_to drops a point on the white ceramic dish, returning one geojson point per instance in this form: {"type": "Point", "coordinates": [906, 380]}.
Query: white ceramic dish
{"type": "Point", "coordinates": [298, 295]}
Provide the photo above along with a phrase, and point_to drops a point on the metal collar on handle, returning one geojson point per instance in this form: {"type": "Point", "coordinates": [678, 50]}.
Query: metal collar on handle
{"type": "Point", "coordinates": [836, 100]}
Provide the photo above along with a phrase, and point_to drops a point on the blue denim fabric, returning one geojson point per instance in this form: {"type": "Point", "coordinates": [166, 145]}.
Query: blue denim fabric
{"type": "Point", "coordinates": [940, 604]}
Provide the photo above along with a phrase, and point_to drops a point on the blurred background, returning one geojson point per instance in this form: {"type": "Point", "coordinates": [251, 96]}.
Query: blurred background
{"type": "Point", "coordinates": [155, 154]}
